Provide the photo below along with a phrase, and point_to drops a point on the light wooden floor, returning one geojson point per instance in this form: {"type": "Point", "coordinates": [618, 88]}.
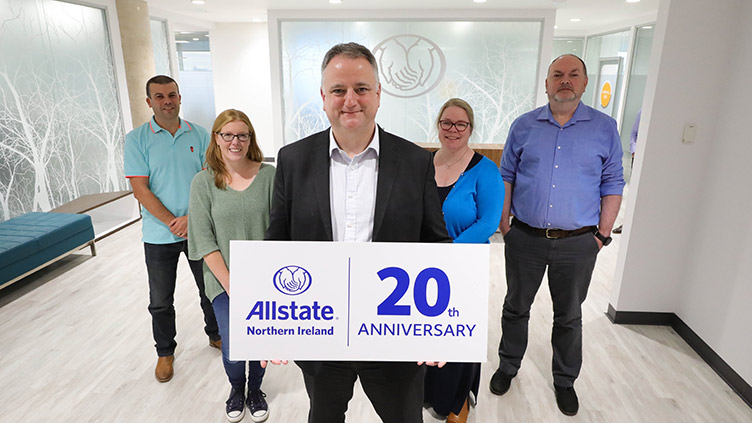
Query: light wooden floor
{"type": "Point", "coordinates": [75, 346]}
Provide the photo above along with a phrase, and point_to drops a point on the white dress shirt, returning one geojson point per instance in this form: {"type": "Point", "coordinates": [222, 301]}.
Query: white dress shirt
{"type": "Point", "coordinates": [352, 187]}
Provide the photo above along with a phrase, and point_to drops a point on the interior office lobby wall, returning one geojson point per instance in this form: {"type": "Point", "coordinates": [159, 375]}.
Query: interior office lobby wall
{"type": "Point", "coordinates": [688, 211]}
{"type": "Point", "coordinates": [240, 63]}
{"type": "Point", "coordinates": [716, 299]}
{"type": "Point", "coordinates": [61, 123]}
{"type": "Point", "coordinates": [489, 63]}
{"type": "Point", "coordinates": [299, 39]}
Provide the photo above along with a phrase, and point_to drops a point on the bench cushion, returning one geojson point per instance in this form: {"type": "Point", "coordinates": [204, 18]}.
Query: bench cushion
{"type": "Point", "coordinates": [33, 239]}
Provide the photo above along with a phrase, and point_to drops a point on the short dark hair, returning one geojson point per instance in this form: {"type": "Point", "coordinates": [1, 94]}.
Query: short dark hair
{"type": "Point", "coordinates": [161, 80]}
{"type": "Point", "coordinates": [351, 51]}
{"type": "Point", "coordinates": [584, 66]}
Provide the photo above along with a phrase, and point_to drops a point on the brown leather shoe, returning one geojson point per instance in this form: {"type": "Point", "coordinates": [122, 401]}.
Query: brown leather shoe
{"type": "Point", "coordinates": [216, 344]}
{"type": "Point", "coordinates": [163, 372]}
{"type": "Point", "coordinates": [462, 417]}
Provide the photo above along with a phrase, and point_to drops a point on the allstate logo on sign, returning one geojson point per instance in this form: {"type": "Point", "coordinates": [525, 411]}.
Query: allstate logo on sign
{"type": "Point", "coordinates": [292, 280]}
{"type": "Point", "coordinates": [409, 65]}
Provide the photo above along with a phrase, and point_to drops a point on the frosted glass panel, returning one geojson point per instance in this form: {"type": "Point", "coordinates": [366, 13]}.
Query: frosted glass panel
{"type": "Point", "coordinates": [492, 65]}
{"type": "Point", "coordinates": [603, 47]}
{"type": "Point", "coordinates": [196, 81]}
{"type": "Point", "coordinates": [61, 131]}
{"type": "Point", "coordinates": [160, 44]}
{"type": "Point", "coordinates": [638, 77]}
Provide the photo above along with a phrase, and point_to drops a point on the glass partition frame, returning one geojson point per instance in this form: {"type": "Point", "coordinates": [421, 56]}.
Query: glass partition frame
{"type": "Point", "coordinates": [634, 88]}
{"type": "Point", "coordinates": [592, 60]}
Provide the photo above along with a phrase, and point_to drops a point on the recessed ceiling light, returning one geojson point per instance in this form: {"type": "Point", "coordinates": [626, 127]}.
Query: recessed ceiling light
{"type": "Point", "coordinates": [556, 26]}
{"type": "Point", "coordinates": [257, 20]}
{"type": "Point", "coordinates": [198, 1]}
{"type": "Point", "coordinates": [335, 1]}
{"type": "Point", "coordinates": [633, 1]}
{"type": "Point", "coordinates": [479, 1]}
{"type": "Point", "coordinates": [647, 27]}
{"type": "Point", "coordinates": [574, 20]}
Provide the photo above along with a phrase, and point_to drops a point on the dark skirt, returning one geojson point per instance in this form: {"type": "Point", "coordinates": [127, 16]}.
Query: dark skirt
{"type": "Point", "coordinates": [447, 388]}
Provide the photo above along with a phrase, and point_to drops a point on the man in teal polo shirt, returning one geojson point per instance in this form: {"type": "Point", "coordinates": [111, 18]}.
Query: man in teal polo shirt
{"type": "Point", "coordinates": [161, 158]}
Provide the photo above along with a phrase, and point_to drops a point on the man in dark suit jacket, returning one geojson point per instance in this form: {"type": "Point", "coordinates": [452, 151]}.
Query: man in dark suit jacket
{"type": "Point", "coordinates": [355, 182]}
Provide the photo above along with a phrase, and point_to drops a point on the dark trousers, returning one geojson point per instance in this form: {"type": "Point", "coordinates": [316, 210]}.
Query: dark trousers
{"type": "Point", "coordinates": [162, 265]}
{"type": "Point", "coordinates": [395, 389]}
{"type": "Point", "coordinates": [235, 370]}
{"type": "Point", "coordinates": [570, 262]}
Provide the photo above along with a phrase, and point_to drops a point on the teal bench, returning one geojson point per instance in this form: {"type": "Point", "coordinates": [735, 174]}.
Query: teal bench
{"type": "Point", "coordinates": [34, 240]}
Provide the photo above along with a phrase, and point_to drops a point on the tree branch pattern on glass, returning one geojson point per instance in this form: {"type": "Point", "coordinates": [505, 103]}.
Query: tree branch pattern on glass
{"type": "Point", "coordinates": [61, 131]}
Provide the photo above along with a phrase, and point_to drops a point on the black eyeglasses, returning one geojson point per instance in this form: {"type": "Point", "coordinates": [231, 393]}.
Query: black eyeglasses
{"type": "Point", "coordinates": [447, 125]}
{"type": "Point", "coordinates": [229, 137]}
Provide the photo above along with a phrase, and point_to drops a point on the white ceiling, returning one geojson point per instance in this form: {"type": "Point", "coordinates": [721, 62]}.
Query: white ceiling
{"type": "Point", "coordinates": [594, 14]}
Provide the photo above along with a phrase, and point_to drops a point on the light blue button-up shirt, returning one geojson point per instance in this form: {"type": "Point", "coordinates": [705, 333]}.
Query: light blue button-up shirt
{"type": "Point", "coordinates": [559, 173]}
{"type": "Point", "coordinates": [170, 162]}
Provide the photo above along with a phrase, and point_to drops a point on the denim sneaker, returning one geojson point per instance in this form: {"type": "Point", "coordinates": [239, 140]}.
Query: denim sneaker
{"type": "Point", "coordinates": [235, 408]}
{"type": "Point", "coordinates": [257, 405]}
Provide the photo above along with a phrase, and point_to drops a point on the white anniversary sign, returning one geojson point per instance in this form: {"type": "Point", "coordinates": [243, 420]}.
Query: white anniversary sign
{"type": "Point", "coordinates": [358, 301]}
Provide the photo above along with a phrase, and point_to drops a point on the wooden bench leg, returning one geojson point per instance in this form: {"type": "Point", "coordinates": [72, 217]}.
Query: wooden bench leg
{"type": "Point", "coordinates": [93, 248]}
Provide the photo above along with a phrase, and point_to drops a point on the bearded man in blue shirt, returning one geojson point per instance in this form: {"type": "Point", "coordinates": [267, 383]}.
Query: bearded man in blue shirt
{"type": "Point", "coordinates": [562, 171]}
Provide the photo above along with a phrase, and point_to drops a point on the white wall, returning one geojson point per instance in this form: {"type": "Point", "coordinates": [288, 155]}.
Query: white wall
{"type": "Point", "coordinates": [717, 297]}
{"type": "Point", "coordinates": [240, 63]}
{"type": "Point", "coordinates": [688, 211]}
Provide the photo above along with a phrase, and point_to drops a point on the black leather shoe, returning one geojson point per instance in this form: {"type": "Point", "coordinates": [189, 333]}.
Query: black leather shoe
{"type": "Point", "coordinates": [500, 382]}
{"type": "Point", "coordinates": [566, 399]}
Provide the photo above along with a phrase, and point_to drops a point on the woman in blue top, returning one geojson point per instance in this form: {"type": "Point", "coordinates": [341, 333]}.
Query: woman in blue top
{"type": "Point", "coordinates": [472, 195]}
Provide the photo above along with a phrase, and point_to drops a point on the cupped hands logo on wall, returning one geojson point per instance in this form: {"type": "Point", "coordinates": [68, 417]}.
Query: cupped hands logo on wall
{"type": "Point", "coordinates": [292, 280]}
{"type": "Point", "coordinates": [409, 65]}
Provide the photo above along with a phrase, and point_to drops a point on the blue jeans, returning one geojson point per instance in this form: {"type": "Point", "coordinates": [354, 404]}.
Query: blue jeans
{"type": "Point", "coordinates": [235, 369]}
{"type": "Point", "coordinates": [162, 265]}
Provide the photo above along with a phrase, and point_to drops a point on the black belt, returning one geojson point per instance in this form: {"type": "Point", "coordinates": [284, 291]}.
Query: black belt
{"type": "Point", "coordinates": [552, 233]}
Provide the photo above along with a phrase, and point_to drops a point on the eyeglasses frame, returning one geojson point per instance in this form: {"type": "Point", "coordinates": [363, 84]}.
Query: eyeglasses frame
{"type": "Point", "coordinates": [454, 124]}
{"type": "Point", "coordinates": [233, 136]}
